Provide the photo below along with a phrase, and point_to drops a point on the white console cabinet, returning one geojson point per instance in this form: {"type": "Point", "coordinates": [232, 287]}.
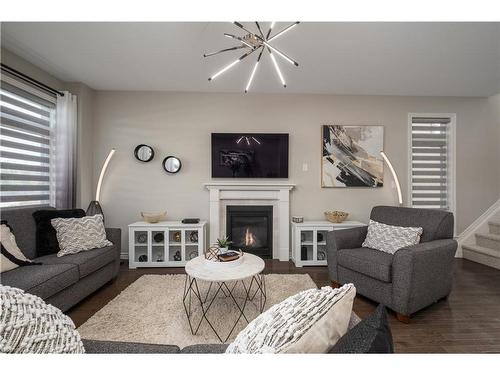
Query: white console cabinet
{"type": "Point", "coordinates": [309, 241]}
{"type": "Point", "coordinates": [164, 244]}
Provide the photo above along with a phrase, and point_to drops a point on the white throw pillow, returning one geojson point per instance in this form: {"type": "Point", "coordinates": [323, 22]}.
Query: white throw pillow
{"type": "Point", "coordinates": [29, 325]}
{"type": "Point", "coordinates": [80, 234]}
{"type": "Point", "coordinates": [12, 256]}
{"type": "Point", "coordinates": [311, 321]}
{"type": "Point", "coordinates": [391, 238]}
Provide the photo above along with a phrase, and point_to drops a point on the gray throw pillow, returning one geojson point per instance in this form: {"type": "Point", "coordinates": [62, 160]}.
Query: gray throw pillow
{"type": "Point", "coordinates": [371, 335]}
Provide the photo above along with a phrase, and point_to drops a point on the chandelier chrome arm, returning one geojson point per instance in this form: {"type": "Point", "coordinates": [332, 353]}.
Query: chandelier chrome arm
{"type": "Point", "coordinates": [239, 39]}
{"type": "Point", "coordinates": [270, 29]}
{"type": "Point", "coordinates": [264, 42]}
{"type": "Point", "coordinates": [223, 50]}
{"type": "Point", "coordinates": [243, 27]}
{"type": "Point", "coordinates": [260, 30]}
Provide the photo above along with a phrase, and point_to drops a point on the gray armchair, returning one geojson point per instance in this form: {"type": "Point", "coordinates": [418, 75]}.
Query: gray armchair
{"type": "Point", "coordinates": [411, 279]}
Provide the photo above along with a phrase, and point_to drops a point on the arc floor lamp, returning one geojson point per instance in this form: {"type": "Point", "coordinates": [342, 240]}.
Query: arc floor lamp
{"type": "Point", "coordinates": [94, 206]}
{"type": "Point", "coordinates": [394, 176]}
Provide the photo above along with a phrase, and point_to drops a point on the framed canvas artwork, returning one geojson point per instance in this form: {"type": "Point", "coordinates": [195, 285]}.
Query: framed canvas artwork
{"type": "Point", "coordinates": [351, 156]}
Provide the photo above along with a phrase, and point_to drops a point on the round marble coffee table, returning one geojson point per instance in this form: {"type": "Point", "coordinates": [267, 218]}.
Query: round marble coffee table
{"type": "Point", "coordinates": [224, 278]}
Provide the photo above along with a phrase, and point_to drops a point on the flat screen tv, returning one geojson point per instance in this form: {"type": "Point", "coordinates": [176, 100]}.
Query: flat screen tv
{"type": "Point", "coordinates": [250, 155]}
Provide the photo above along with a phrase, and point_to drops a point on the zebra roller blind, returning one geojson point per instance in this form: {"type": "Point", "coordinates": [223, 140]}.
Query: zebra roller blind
{"type": "Point", "coordinates": [26, 144]}
{"type": "Point", "coordinates": [430, 162]}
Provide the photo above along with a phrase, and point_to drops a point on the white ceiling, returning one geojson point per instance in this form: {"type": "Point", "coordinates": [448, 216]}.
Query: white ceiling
{"type": "Point", "coordinates": [434, 59]}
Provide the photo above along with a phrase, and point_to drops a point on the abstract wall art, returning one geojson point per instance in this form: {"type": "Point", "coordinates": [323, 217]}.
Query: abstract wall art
{"type": "Point", "coordinates": [351, 156]}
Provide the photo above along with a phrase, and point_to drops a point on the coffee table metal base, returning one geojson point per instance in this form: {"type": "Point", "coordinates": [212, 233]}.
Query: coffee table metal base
{"type": "Point", "coordinates": [193, 295]}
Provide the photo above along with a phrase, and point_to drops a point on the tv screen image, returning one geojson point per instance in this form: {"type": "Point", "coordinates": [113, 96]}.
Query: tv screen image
{"type": "Point", "coordinates": [250, 155]}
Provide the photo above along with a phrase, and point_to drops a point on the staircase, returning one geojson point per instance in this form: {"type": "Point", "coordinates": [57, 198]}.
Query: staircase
{"type": "Point", "coordinates": [486, 250]}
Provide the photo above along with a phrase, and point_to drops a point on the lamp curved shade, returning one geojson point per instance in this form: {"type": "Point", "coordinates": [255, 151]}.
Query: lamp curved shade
{"type": "Point", "coordinates": [94, 207]}
{"type": "Point", "coordinates": [394, 176]}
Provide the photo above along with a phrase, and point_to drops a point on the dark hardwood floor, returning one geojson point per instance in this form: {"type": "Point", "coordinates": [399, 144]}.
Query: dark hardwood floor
{"type": "Point", "coordinates": [467, 322]}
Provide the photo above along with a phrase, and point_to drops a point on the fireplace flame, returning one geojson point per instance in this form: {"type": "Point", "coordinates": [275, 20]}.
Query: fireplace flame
{"type": "Point", "coordinates": [249, 238]}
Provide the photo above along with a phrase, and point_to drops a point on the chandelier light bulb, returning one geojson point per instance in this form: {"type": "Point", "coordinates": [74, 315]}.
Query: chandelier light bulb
{"type": "Point", "coordinates": [224, 69]}
{"type": "Point", "coordinates": [283, 31]}
{"type": "Point", "coordinates": [251, 76]}
{"type": "Point", "coordinates": [278, 70]}
{"type": "Point", "coordinates": [281, 54]}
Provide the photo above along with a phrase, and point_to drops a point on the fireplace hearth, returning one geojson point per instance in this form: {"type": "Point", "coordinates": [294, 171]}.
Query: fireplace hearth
{"type": "Point", "coordinates": [250, 228]}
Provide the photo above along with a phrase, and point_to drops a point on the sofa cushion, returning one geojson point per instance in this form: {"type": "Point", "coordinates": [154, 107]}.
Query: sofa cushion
{"type": "Point", "coordinates": [21, 221]}
{"type": "Point", "coordinates": [87, 261]}
{"type": "Point", "coordinates": [370, 262]}
{"type": "Point", "coordinates": [46, 239]}
{"type": "Point", "coordinates": [371, 335]}
{"type": "Point", "coordinates": [42, 280]}
{"type": "Point", "coordinates": [117, 347]}
{"type": "Point", "coordinates": [12, 256]}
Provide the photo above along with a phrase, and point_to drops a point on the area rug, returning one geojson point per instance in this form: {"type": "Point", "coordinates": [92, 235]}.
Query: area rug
{"type": "Point", "coordinates": [151, 311]}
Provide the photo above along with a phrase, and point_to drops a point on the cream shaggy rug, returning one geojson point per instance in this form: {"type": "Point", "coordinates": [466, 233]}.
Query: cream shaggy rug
{"type": "Point", "coordinates": [151, 311]}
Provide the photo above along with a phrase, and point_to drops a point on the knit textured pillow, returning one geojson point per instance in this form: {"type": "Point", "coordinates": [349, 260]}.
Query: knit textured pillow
{"type": "Point", "coordinates": [390, 238]}
{"type": "Point", "coordinates": [80, 234]}
{"type": "Point", "coordinates": [29, 325]}
{"type": "Point", "coordinates": [311, 321]}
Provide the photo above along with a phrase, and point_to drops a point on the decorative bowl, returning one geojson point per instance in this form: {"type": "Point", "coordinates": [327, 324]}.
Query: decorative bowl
{"type": "Point", "coordinates": [153, 217]}
{"type": "Point", "coordinates": [336, 216]}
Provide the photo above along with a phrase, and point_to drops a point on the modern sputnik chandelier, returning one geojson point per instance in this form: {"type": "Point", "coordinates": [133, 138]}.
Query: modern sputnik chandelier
{"type": "Point", "coordinates": [252, 42]}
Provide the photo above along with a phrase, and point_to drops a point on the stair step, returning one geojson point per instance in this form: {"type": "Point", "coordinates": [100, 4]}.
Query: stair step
{"type": "Point", "coordinates": [483, 255]}
{"type": "Point", "coordinates": [494, 226]}
{"type": "Point", "coordinates": [488, 240]}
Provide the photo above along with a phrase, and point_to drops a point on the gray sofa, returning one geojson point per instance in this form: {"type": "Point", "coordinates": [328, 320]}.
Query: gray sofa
{"type": "Point", "coordinates": [411, 279]}
{"type": "Point", "coordinates": [64, 281]}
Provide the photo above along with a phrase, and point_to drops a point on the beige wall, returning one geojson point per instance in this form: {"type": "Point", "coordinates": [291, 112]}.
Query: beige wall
{"type": "Point", "coordinates": [495, 106]}
{"type": "Point", "coordinates": [180, 124]}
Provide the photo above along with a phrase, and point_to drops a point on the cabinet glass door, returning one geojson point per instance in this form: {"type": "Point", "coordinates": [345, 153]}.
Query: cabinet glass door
{"type": "Point", "coordinates": [175, 245]}
{"type": "Point", "coordinates": [141, 240]}
{"type": "Point", "coordinates": [321, 244]}
{"type": "Point", "coordinates": [306, 245]}
{"type": "Point", "coordinates": [192, 238]}
{"type": "Point", "coordinates": [158, 246]}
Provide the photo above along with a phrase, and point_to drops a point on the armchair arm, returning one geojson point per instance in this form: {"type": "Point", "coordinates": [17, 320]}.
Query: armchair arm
{"type": "Point", "coordinates": [422, 274]}
{"type": "Point", "coordinates": [115, 235]}
{"type": "Point", "coordinates": [342, 239]}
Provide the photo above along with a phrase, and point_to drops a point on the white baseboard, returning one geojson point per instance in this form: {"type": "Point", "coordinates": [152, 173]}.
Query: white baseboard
{"type": "Point", "coordinates": [467, 236]}
{"type": "Point", "coordinates": [124, 255]}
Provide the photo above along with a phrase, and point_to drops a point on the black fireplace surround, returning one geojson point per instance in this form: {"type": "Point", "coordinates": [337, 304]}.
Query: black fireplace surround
{"type": "Point", "coordinates": [250, 228]}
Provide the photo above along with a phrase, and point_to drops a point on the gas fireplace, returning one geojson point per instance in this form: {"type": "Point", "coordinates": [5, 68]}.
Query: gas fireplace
{"type": "Point", "coordinates": [250, 228]}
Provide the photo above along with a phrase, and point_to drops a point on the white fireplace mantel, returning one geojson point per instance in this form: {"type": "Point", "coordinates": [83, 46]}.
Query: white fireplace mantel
{"type": "Point", "coordinates": [278, 194]}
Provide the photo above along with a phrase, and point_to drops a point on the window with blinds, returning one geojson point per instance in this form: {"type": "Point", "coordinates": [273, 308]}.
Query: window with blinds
{"type": "Point", "coordinates": [430, 162]}
{"type": "Point", "coordinates": [26, 132]}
